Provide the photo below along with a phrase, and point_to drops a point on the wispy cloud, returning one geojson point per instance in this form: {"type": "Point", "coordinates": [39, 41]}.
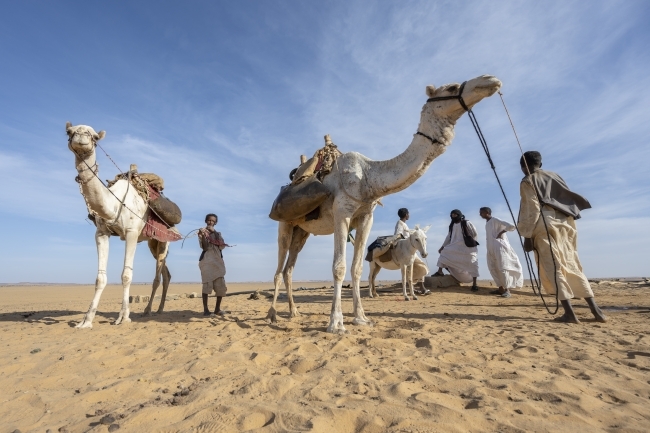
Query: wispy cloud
{"type": "Point", "coordinates": [223, 111]}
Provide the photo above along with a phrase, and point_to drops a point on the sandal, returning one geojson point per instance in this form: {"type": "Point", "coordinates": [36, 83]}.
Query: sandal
{"type": "Point", "coordinates": [474, 288]}
{"type": "Point", "coordinates": [438, 274]}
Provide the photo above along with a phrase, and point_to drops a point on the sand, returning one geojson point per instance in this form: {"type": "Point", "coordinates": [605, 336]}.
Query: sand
{"type": "Point", "coordinates": [452, 361]}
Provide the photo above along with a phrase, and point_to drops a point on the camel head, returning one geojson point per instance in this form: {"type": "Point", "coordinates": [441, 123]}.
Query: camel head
{"type": "Point", "coordinates": [82, 139]}
{"type": "Point", "coordinates": [418, 239]}
{"type": "Point", "coordinates": [449, 106]}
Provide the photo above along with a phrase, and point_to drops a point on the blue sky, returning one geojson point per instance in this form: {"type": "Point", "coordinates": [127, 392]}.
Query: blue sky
{"type": "Point", "coordinates": [221, 98]}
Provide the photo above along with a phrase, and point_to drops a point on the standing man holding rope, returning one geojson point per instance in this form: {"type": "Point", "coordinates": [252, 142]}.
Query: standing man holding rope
{"type": "Point", "coordinates": [213, 269]}
{"type": "Point", "coordinates": [554, 236]}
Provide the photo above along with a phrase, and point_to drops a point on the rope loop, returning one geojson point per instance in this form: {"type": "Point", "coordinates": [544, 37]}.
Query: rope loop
{"type": "Point", "coordinates": [534, 281]}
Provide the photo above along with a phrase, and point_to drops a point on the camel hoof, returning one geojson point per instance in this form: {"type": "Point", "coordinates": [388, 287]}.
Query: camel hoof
{"type": "Point", "coordinates": [415, 298]}
{"type": "Point", "coordinates": [293, 314]}
{"type": "Point", "coordinates": [362, 322]}
{"type": "Point", "coordinates": [121, 320]}
{"type": "Point", "coordinates": [337, 330]}
{"type": "Point", "coordinates": [84, 325]}
{"type": "Point", "coordinates": [272, 316]}
{"type": "Point", "coordinates": [406, 298]}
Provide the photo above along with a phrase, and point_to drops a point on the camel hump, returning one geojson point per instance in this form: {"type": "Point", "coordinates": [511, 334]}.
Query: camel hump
{"type": "Point", "coordinates": [156, 182]}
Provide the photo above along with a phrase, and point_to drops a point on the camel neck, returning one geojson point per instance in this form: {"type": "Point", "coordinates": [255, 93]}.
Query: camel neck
{"type": "Point", "coordinates": [98, 198]}
{"type": "Point", "coordinates": [394, 175]}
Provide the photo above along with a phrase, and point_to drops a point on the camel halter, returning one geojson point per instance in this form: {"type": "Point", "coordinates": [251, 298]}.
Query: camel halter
{"type": "Point", "coordinates": [447, 98]}
{"type": "Point", "coordinates": [82, 156]}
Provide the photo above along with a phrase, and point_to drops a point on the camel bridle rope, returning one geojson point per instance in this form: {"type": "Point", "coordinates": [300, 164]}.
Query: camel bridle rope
{"type": "Point", "coordinates": [534, 280]}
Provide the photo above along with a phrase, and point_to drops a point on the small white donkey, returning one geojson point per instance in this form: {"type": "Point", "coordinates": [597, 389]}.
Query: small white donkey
{"type": "Point", "coordinates": [404, 258]}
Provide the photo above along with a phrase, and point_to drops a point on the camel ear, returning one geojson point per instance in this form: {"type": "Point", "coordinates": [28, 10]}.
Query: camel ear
{"type": "Point", "coordinates": [417, 226]}
{"type": "Point", "coordinates": [68, 127]}
{"type": "Point", "coordinates": [100, 135]}
{"type": "Point", "coordinates": [431, 90]}
{"type": "Point", "coordinates": [426, 229]}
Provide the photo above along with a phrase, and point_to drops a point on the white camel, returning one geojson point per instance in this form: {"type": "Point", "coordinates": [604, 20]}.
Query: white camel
{"type": "Point", "coordinates": [403, 256]}
{"type": "Point", "coordinates": [111, 216]}
{"type": "Point", "coordinates": [356, 184]}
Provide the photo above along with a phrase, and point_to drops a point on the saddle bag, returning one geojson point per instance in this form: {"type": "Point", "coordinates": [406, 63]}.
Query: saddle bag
{"type": "Point", "coordinates": [167, 210]}
{"type": "Point", "coordinates": [296, 201]}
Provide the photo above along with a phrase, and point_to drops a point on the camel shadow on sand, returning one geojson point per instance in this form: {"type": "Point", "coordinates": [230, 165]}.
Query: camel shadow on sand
{"type": "Point", "coordinates": [72, 318]}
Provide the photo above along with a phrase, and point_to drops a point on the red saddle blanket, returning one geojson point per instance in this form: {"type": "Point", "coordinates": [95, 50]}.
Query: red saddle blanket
{"type": "Point", "coordinates": [155, 228]}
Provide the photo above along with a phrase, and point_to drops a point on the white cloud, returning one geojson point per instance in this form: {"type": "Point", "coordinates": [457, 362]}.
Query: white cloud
{"type": "Point", "coordinates": [224, 131]}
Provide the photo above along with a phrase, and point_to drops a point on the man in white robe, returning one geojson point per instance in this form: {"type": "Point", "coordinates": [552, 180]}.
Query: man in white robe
{"type": "Point", "coordinates": [455, 253]}
{"type": "Point", "coordinates": [502, 260]}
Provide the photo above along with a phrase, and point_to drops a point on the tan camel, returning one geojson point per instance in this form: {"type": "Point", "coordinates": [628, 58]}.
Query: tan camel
{"type": "Point", "coordinates": [111, 217]}
{"type": "Point", "coordinates": [356, 184]}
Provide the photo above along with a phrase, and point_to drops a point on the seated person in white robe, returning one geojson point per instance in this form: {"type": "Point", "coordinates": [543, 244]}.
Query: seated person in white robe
{"type": "Point", "coordinates": [502, 260]}
{"type": "Point", "coordinates": [559, 265]}
{"type": "Point", "coordinates": [455, 255]}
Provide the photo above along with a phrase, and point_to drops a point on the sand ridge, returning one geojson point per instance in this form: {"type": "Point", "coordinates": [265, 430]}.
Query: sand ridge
{"type": "Point", "coordinates": [451, 361]}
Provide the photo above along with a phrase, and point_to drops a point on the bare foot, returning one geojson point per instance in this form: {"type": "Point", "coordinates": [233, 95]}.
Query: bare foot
{"type": "Point", "coordinates": [565, 318]}
{"type": "Point", "coordinates": [599, 316]}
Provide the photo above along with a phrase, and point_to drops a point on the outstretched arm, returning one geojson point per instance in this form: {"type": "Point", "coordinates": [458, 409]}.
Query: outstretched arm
{"type": "Point", "coordinates": [503, 227]}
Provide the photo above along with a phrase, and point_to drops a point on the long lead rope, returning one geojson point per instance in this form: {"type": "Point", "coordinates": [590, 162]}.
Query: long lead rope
{"type": "Point", "coordinates": [541, 213]}
{"type": "Point", "coordinates": [533, 278]}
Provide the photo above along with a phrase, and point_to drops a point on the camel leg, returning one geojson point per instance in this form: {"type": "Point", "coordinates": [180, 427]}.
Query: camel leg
{"type": "Point", "coordinates": [363, 230]}
{"type": "Point", "coordinates": [166, 277]}
{"type": "Point", "coordinates": [298, 240]}
{"type": "Point", "coordinates": [101, 239]}
{"type": "Point", "coordinates": [374, 271]}
{"type": "Point", "coordinates": [127, 274]}
{"type": "Point", "coordinates": [409, 272]}
{"type": "Point", "coordinates": [153, 247]}
{"type": "Point", "coordinates": [341, 227]}
{"type": "Point", "coordinates": [161, 266]}
{"type": "Point", "coordinates": [285, 232]}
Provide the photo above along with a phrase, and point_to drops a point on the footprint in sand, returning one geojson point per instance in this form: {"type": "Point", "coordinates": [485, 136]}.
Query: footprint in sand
{"type": "Point", "coordinates": [257, 419]}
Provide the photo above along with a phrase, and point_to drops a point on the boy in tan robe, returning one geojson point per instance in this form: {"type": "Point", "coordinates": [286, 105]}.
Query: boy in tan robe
{"type": "Point", "coordinates": [560, 207]}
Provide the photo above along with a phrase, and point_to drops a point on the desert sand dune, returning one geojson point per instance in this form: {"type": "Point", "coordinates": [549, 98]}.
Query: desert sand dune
{"type": "Point", "coordinates": [452, 361]}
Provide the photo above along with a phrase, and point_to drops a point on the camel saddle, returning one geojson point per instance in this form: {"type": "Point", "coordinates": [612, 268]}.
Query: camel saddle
{"type": "Point", "coordinates": [380, 242]}
{"type": "Point", "coordinates": [296, 201]}
{"type": "Point", "coordinates": [306, 192]}
{"type": "Point", "coordinates": [149, 186]}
